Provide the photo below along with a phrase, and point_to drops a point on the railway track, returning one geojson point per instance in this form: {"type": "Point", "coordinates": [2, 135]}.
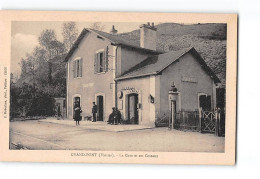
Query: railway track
{"type": "Point", "coordinates": [35, 141]}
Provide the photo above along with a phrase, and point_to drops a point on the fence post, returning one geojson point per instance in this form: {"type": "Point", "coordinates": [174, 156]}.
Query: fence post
{"type": "Point", "coordinates": [170, 118]}
{"type": "Point", "coordinates": [216, 122]}
{"type": "Point", "coordinates": [200, 116]}
{"type": "Point", "coordinates": [219, 130]}
{"type": "Point", "coordinates": [183, 120]}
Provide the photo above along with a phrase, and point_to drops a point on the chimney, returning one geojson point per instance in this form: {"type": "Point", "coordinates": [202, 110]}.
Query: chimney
{"type": "Point", "coordinates": [113, 30]}
{"type": "Point", "coordinates": [148, 36]}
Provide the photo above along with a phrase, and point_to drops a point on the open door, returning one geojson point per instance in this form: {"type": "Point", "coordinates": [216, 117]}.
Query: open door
{"type": "Point", "coordinates": [100, 108]}
{"type": "Point", "coordinates": [132, 108]}
{"type": "Point", "coordinates": [205, 102]}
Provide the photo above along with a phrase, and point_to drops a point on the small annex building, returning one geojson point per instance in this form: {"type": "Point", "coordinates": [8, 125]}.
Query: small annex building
{"type": "Point", "coordinates": [133, 76]}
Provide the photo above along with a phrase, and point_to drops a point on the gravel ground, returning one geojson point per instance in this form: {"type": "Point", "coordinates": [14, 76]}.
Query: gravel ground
{"type": "Point", "coordinates": [38, 135]}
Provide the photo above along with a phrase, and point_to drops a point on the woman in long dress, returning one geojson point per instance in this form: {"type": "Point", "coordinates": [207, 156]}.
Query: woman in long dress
{"type": "Point", "coordinates": [77, 111]}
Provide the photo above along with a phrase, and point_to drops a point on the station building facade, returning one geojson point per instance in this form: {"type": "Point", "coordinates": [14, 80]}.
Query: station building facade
{"type": "Point", "coordinates": [113, 71]}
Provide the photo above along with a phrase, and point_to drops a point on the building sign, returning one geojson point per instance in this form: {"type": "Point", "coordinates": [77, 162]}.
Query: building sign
{"type": "Point", "coordinates": [88, 85]}
{"type": "Point", "coordinates": [130, 90]}
{"type": "Point", "coordinates": [189, 79]}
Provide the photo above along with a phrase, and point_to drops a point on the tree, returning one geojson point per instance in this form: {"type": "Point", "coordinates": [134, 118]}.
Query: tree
{"type": "Point", "coordinates": [57, 48]}
{"type": "Point", "coordinates": [46, 41]}
{"type": "Point", "coordinates": [23, 66]}
{"type": "Point", "coordinates": [50, 44]}
{"type": "Point", "coordinates": [53, 48]}
{"type": "Point", "coordinates": [97, 26]}
{"type": "Point", "coordinates": [40, 55]}
{"type": "Point", "coordinates": [70, 34]}
{"type": "Point", "coordinates": [43, 77]}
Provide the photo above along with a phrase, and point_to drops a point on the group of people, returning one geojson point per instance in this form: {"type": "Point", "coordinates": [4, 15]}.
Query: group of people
{"type": "Point", "coordinates": [114, 117]}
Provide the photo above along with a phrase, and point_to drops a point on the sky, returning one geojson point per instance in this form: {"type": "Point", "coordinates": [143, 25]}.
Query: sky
{"type": "Point", "coordinates": [25, 36]}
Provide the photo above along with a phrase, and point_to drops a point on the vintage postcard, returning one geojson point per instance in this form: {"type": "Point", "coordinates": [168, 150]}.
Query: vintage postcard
{"type": "Point", "coordinates": [110, 87]}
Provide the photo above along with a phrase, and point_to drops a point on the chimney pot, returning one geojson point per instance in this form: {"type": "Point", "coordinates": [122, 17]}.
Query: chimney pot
{"type": "Point", "coordinates": [113, 30]}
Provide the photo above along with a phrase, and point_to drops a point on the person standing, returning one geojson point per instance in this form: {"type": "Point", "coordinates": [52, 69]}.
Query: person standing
{"type": "Point", "coordinates": [77, 111]}
{"type": "Point", "coordinates": [94, 112]}
{"type": "Point", "coordinates": [58, 112]}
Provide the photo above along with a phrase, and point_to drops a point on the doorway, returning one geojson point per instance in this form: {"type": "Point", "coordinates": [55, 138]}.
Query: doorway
{"type": "Point", "coordinates": [100, 108]}
{"type": "Point", "coordinates": [132, 108]}
{"type": "Point", "coordinates": [205, 102]}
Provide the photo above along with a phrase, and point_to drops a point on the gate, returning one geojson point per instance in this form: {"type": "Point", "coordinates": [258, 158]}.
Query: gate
{"type": "Point", "coordinates": [210, 121]}
{"type": "Point", "coordinates": [162, 121]}
{"type": "Point", "coordinates": [200, 121]}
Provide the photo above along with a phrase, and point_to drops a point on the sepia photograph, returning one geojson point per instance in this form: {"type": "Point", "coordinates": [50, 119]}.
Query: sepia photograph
{"type": "Point", "coordinates": [118, 86]}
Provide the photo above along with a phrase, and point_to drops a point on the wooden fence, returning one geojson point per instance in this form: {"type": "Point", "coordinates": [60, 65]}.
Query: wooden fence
{"type": "Point", "coordinates": [187, 120]}
{"type": "Point", "coordinates": [200, 121]}
{"type": "Point", "coordinates": [162, 121]}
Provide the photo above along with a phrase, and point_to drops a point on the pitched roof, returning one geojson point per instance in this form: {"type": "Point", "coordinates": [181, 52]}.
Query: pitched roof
{"type": "Point", "coordinates": [155, 64]}
{"type": "Point", "coordinates": [115, 39]}
{"type": "Point", "coordinates": [124, 41]}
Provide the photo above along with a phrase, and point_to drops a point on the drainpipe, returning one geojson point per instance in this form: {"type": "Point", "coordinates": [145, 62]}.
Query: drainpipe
{"type": "Point", "coordinates": [115, 76]}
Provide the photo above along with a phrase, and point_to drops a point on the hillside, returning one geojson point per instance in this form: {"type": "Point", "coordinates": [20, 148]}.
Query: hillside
{"type": "Point", "coordinates": [208, 39]}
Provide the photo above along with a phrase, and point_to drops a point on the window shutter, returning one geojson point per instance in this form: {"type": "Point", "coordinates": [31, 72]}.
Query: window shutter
{"type": "Point", "coordinates": [96, 63]}
{"type": "Point", "coordinates": [106, 60]}
{"type": "Point", "coordinates": [80, 68]}
{"type": "Point", "coordinates": [74, 69]}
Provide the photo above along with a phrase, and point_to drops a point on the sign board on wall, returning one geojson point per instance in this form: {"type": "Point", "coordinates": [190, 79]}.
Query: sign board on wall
{"type": "Point", "coordinates": [189, 79]}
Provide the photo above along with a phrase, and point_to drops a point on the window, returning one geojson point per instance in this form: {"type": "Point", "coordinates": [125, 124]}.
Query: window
{"type": "Point", "coordinates": [100, 57]}
{"type": "Point", "coordinates": [77, 68]}
{"type": "Point", "coordinates": [101, 62]}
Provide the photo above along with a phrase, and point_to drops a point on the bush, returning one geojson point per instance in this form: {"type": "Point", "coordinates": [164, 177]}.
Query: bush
{"type": "Point", "coordinates": [42, 105]}
{"type": "Point", "coordinates": [28, 100]}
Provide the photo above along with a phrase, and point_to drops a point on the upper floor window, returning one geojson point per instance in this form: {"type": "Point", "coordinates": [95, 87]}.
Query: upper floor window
{"type": "Point", "coordinates": [101, 62]}
{"type": "Point", "coordinates": [77, 68]}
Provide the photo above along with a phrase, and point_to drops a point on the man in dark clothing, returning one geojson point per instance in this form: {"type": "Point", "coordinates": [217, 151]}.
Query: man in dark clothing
{"type": "Point", "coordinates": [58, 112]}
{"type": "Point", "coordinates": [117, 116]}
{"type": "Point", "coordinates": [94, 112]}
{"type": "Point", "coordinates": [111, 117]}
